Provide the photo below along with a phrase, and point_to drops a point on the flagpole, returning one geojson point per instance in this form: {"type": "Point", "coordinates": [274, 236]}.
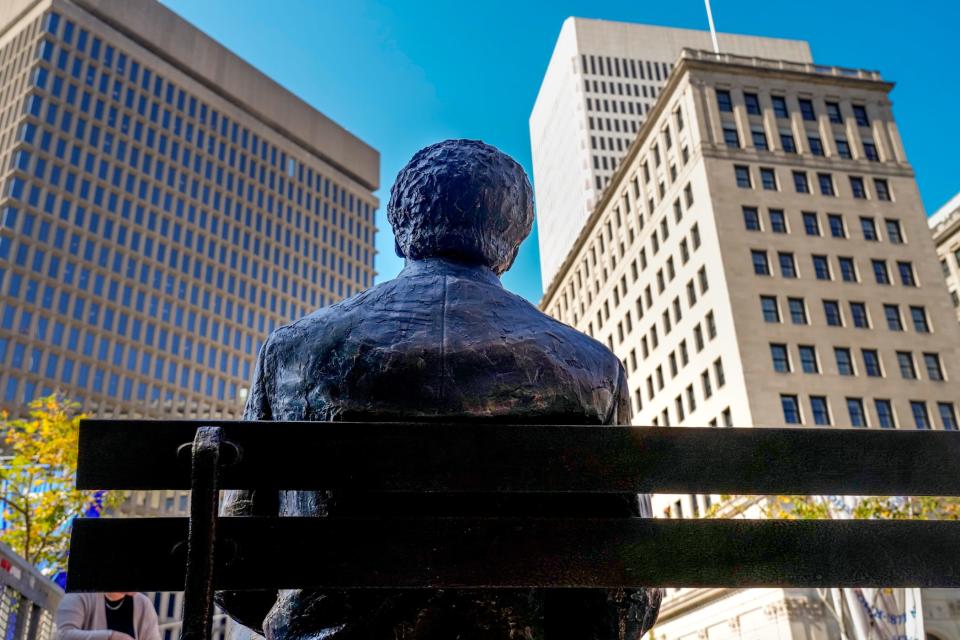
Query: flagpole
{"type": "Point", "coordinates": [713, 29]}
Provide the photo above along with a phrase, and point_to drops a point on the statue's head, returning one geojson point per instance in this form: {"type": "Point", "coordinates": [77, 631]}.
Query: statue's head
{"type": "Point", "coordinates": [463, 200]}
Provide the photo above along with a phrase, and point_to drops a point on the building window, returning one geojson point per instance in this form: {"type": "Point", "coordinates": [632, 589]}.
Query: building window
{"type": "Point", "coordinates": [948, 415]}
{"type": "Point", "coordinates": [791, 409]}
{"type": "Point", "coordinates": [816, 145]}
{"type": "Point", "coordinates": [831, 311]}
{"type": "Point", "coordinates": [800, 182]}
{"type": "Point", "coordinates": [919, 316]}
{"type": "Point", "coordinates": [771, 311]}
{"type": "Point", "coordinates": [808, 359]}
{"type": "Point", "coordinates": [798, 311]}
{"type": "Point", "coordinates": [788, 268]}
{"type": "Point", "coordinates": [833, 112]}
{"type": "Point", "coordinates": [905, 269]}
{"type": "Point", "coordinates": [907, 369]}
{"type": "Point", "coordinates": [787, 142]}
{"type": "Point", "coordinates": [820, 410]}
{"type": "Point", "coordinates": [821, 268]}
{"type": "Point", "coordinates": [718, 373]}
{"type": "Point", "coordinates": [870, 151]}
{"type": "Point", "coordinates": [894, 233]}
{"type": "Point", "coordinates": [778, 222]}
{"type": "Point", "coordinates": [869, 228]}
{"type": "Point", "coordinates": [934, 369]}
{"type": "Point", "coordinates": [871, 363]}
{"type": "Point", "coordinates": [892, 313]}
{"type": "Point", "coordinates": [768, 178]}
{"type": "Point", "coordinates": [752, 103]}
{"type": "Point", "coordinates": [837, 228]}
{"type": "Point", "coordinates": [843, 149]}
{"type": "Point", "coordinates": [761, 266]}
{"type": "Point", "coordinates": [751, 219]}
{"type": "Point", "coordinates": [825, 181]}
{"type": "Point", "coordinates": [780, 106]}
{"type": "Point", "coordinates": [885, 417]}
{"type": "Point", "coordinates": [781, 359]}
{"type": "Point", "coordinates": [921, 419]}
{"type": "Point", "coordinates": [880, 272]}
{"type": "Point", "coordinates": [724, 102]}
{"type": "Point", "coordinates": [743, 176]}
{"type": "Point", "coordinates": [759, 138]}
{"type": "Point", "coordinates": [848, 270]}
{"type": "Point", "coordinates": [856, 186]}
{"type": "Point", "coordinates": [806, 110]}
{"type": "Point", "coordinates": [882, 189]}
{"type": "Point", "coordinates": [730, 137]}
{"type": "Point", "coordinates": [858, 416]}
{"type": "Point", "coordinates": [844, 361]}
{"type": "Point", "coordinates": [858, 313]}
{"type": "Point", "coordinates": [860, 115]}
{"type": "Point", "coordinates": [811, 223]}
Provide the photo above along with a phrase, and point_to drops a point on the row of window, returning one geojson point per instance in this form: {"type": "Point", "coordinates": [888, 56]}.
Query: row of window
{"type": "Point", "coordinates": [788, 143]}
{"type": "Point", "coordinates": [801, 183]}
{"type": "Point", "coordinates": [777, 222]}
{"type": "Point", "coordinates": [859, 315]}
{"type": "Point", "coordinates": [823, 270]}
{"type": "Point", "coordinates": [818, 412]}
{"type": "Point", "coordinates": [872, 362]}
{"type": "Point", "coordinates": [613, 66]}
{"type": "Point", "coordinates": [779, 105]}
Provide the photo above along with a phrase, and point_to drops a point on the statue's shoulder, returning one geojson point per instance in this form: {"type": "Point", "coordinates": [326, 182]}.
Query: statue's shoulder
{"type": "Point", "coordinates": [325, 324]}
{"type": "Point", "coordinates": [566, 340]}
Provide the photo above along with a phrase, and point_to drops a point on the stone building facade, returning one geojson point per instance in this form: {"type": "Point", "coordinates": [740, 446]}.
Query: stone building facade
{"type": "Point", "coordinates": [761, 258]}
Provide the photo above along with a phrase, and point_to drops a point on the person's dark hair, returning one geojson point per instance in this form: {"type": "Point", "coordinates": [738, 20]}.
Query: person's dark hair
{"type": "Point", "coordinates": [464, 200]}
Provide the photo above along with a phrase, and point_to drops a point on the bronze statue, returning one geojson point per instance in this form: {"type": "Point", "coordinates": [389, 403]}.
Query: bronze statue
{"type": "Point", "coordinates": [443, 341]}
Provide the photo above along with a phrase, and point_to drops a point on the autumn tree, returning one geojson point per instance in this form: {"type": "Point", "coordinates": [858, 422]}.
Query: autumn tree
{"type": "Point", "coordinates": [38, 475]}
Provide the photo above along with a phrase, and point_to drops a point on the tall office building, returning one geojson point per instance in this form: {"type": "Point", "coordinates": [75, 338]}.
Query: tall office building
{"type": "Point", "coordinates": [163, 205]}
{"type": "Point", "coordinates": [761, 257]}
{"type": "Point", "coordinates": [601, 82]}
{"type": "Point", "coordinates": [945, 226]}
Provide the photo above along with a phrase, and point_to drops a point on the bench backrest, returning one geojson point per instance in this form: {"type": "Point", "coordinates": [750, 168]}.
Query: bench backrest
{"type": "Point", "coordinates": [207, 552]}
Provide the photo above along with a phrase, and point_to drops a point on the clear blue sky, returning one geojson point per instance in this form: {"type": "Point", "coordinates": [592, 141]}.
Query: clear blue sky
{"type": "Point", "coordinates": [401, 74]}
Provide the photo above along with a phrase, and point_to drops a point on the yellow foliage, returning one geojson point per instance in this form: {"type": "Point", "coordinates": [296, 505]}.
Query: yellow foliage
{"type": "Point", "coordinates": [38, 474]}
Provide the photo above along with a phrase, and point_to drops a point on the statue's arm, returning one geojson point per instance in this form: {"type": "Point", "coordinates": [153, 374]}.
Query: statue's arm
{"type": "Point", "coordinates": [249, 608]}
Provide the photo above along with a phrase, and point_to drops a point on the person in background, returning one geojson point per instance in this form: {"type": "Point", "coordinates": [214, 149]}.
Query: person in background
{"type": "Point", "coordinates": [106, 616]}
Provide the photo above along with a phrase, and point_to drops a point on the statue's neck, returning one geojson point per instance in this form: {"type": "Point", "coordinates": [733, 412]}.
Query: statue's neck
{"type": "Point", "coordinates": [445, 266]}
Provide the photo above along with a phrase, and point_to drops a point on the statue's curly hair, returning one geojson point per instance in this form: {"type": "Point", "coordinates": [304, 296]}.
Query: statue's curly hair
{"type": "Point", "coordinates": [463, 200]}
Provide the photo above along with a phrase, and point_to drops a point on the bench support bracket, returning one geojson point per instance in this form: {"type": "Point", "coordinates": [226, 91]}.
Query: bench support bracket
{"type": "Point", "coordinates": [202, 538]}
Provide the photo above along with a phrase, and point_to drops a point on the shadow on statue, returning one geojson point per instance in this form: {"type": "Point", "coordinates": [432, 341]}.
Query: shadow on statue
{"type": "Point", "coordinates": [443, 341]}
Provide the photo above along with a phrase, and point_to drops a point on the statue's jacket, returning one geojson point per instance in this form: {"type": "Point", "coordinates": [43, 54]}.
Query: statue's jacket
{"type": "Point", "coordinates": [441, 342]}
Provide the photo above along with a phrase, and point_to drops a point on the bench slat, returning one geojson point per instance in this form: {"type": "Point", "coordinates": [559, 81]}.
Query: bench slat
{"type": "Point", "coordinates": [487, 457]}
{"type": "Point", "coordinates": [135, 554]}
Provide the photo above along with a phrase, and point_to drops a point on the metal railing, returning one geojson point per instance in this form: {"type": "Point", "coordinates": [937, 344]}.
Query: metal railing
{"type": "Point", "coordinates": [28, 599]}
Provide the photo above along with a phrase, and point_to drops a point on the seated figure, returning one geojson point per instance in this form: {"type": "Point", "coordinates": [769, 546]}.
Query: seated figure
{"type": "Point", "coordinates": [443, 341]}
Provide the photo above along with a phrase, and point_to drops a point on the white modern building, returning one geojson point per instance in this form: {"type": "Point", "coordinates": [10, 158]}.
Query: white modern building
{"type": "Point", "coordinates": [602, 80]}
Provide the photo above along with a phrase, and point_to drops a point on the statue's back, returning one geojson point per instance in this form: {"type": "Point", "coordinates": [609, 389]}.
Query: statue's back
{"type": "Point", "coordinates": [443, 341]}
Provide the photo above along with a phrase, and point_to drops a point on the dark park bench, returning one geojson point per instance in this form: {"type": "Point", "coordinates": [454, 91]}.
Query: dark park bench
{"type": "Point", "coordinates": [206, 552]}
